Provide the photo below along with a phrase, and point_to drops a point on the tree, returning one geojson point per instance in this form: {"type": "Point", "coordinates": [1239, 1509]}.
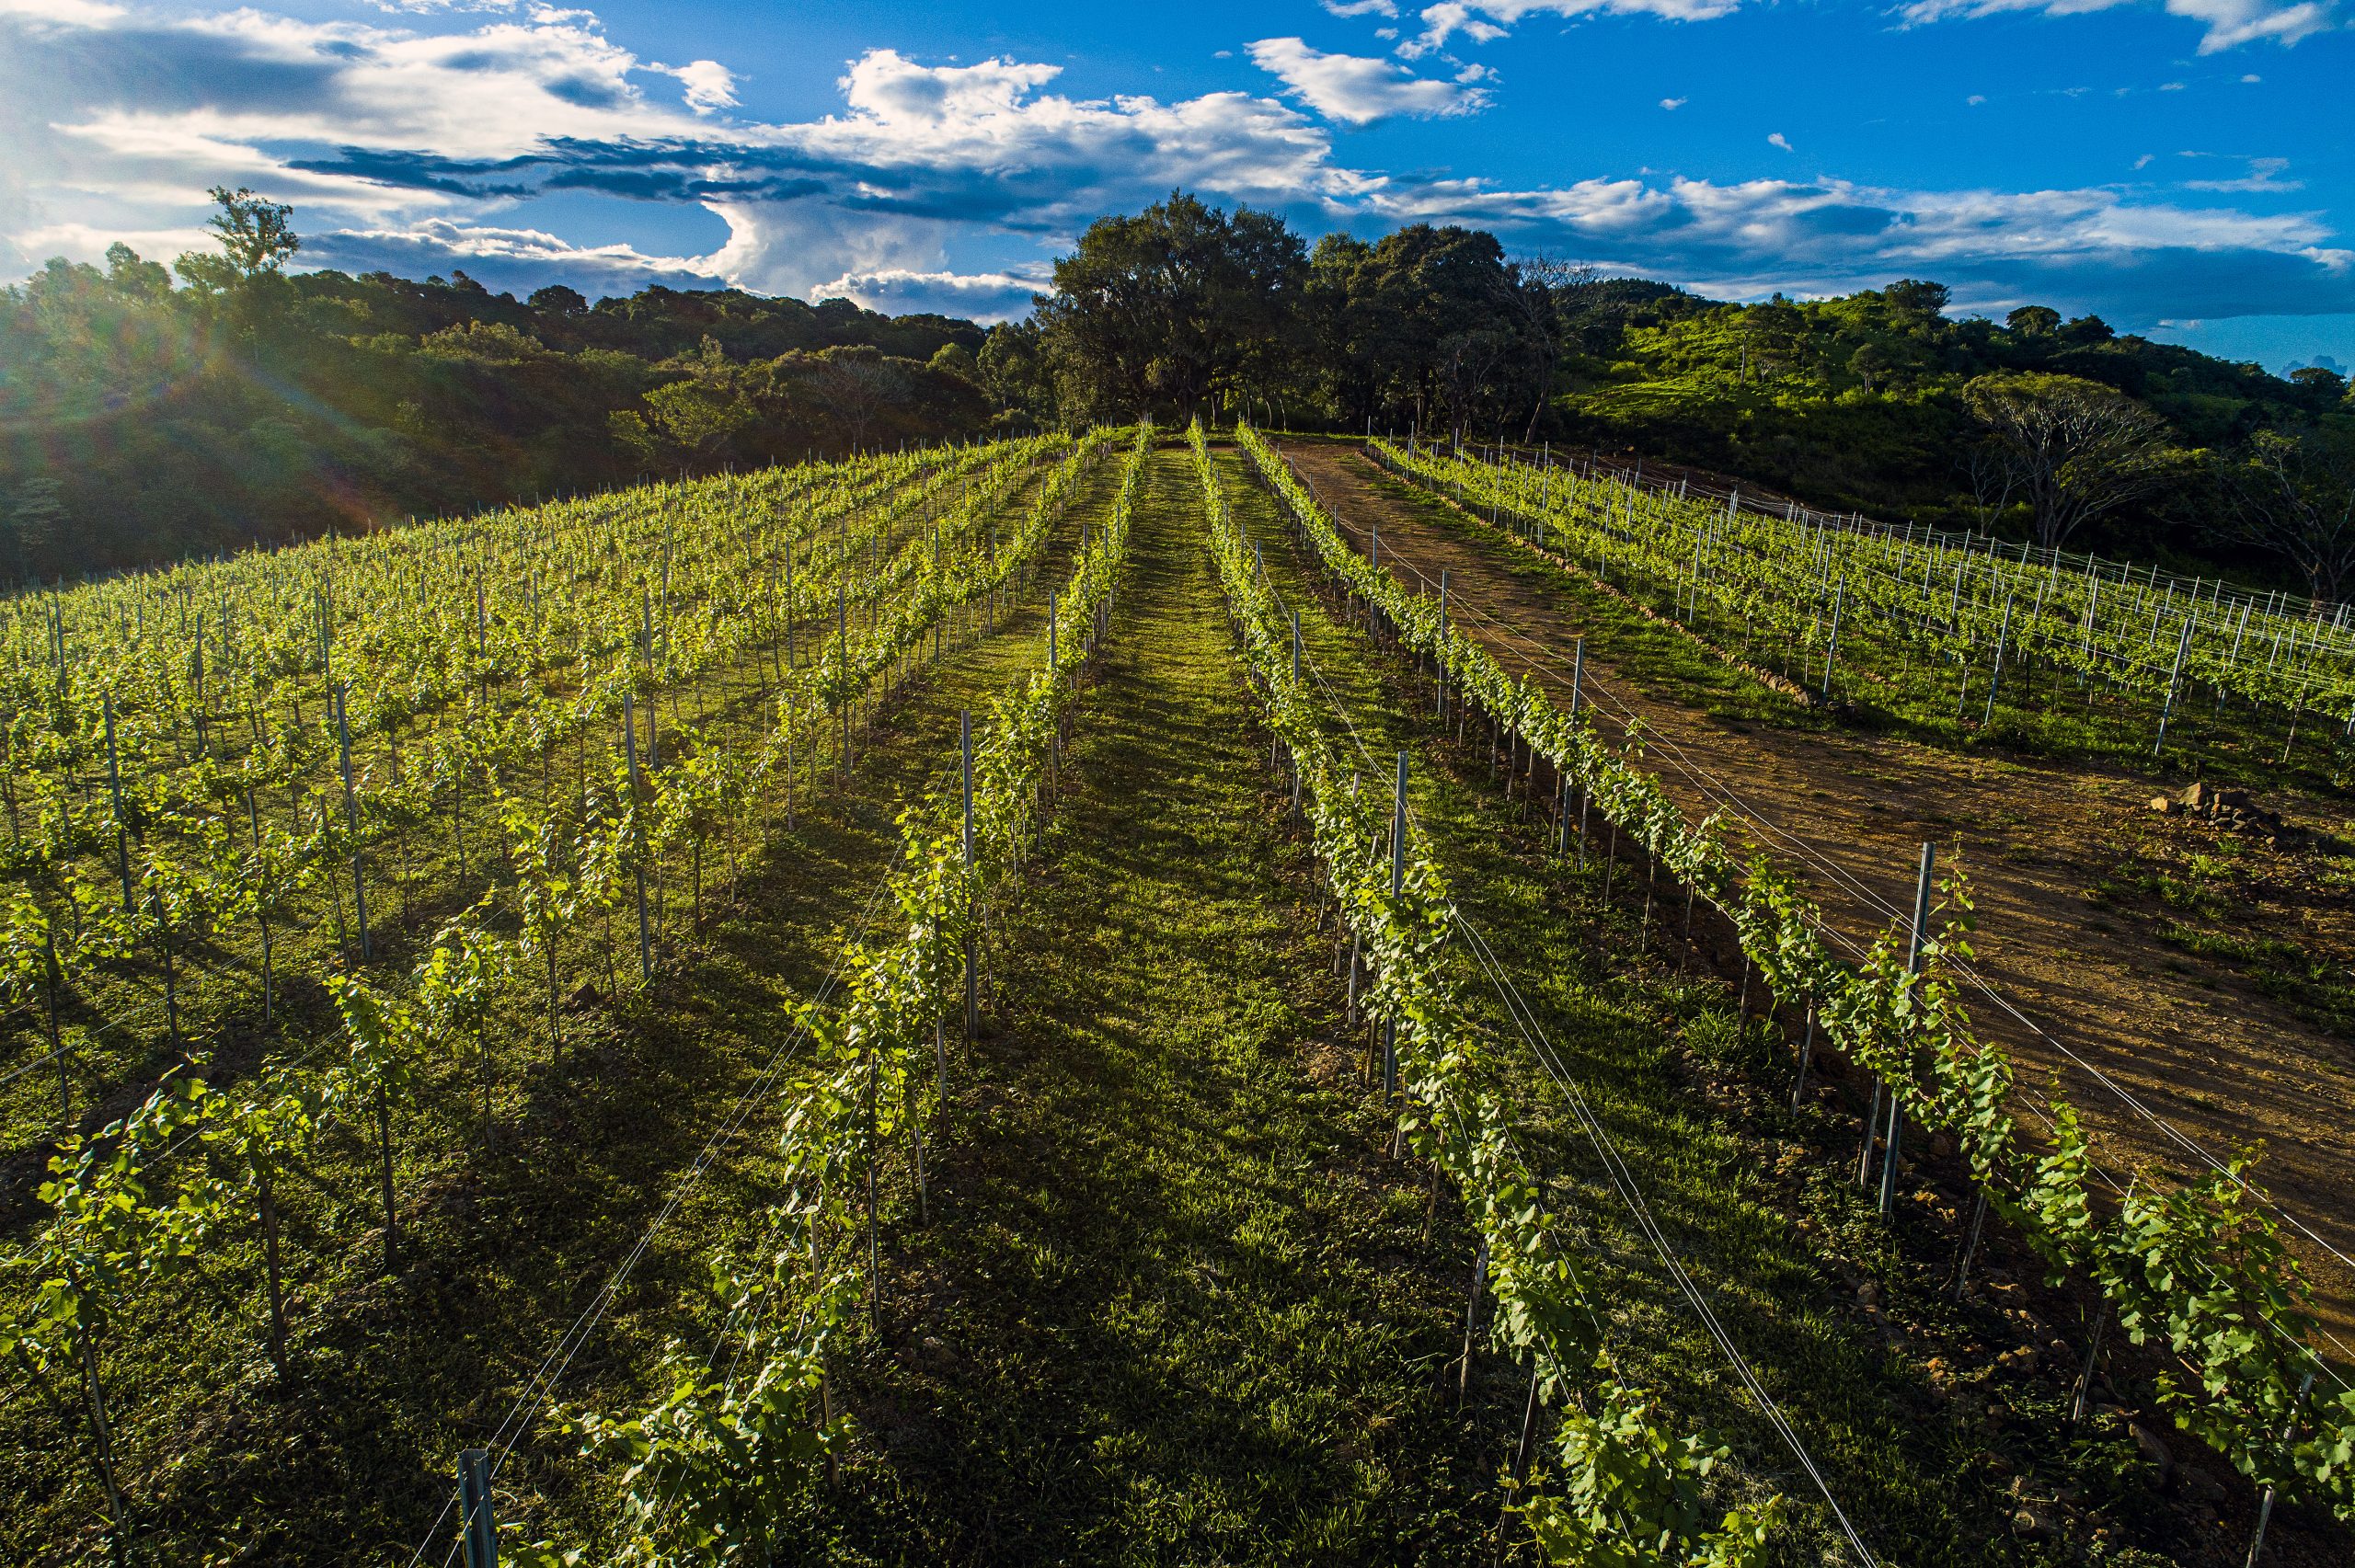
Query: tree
{"type": "Point", "coordinates": [1164, 309]}
{"type": "Point", "coordinates": [1407, 315]}
{"type": "Point", "coordinates": [2293, 493]}
{"type": "Point", "coordinates": [2076, 448]}
{"type": "Point", "coordinates": [1987, 465]}
{"type": "Point", "coordinates": [558, 300]}
{"type": "Point", "coordinates": [36, 517]}
{"type": "Point", "coordinates": [1771, 332]}
{"type": "Point", "coordinates": [1870, 360]}
{"type": "Point", "coordinates": [858, 383]}
{"type": "Point", "coordinates": [692, 418]}
{"type": "Point", "coordinates": [134, 276]}
{"type": "Point", "coordinates": [955, 359]}
{"type": "Point", "coordinates": [1015, 373]}
{"type": "Point", "coordinates": [2319, 386]}
{"type": "Point", "coordinates": [1916, 304]}
{"type": "Point", "coordinates": [257, 236]}
{"type": "Point", "coordinates": [2034, 321]}
{"type": "Point", "coordinates": [1532, 284]}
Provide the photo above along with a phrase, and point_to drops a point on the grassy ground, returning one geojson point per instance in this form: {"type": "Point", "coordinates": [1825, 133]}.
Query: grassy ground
{"type": "Point", "coordinates": [1177, 1305]}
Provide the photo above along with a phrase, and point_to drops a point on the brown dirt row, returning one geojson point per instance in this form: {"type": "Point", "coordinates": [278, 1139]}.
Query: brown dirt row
{"type": "Point", "coordinates": [2188, 1037]}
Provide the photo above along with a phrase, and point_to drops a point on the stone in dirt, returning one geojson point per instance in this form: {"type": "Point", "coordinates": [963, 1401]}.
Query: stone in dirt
{"type": "Point", "coordinates": [2154, 1452]}
{"type": "Point", "coordinates": [2165, 805]}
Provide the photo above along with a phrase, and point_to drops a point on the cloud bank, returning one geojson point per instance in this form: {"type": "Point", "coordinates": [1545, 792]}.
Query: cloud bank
{"type": "Point", "coordinates": [946, 186]}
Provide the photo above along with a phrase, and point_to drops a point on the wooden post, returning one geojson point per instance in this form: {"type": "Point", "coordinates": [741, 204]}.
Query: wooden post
{"type": "Point", "coordinates": [114, 789]}
{"type": "Point", "coordinates": [1440, 661]}
{"type": "Point", "coordinates": [1471, 1318]}
{"type": "Point", "coordinates": [1807, 1054]}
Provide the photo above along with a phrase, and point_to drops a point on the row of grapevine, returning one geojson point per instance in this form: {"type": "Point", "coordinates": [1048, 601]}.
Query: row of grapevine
{"type": "Point", "coordinates": [2200, 1271]}
{"type": "Point", "coordinates": [1630, 1489]}
{"type": "Point", "coordinates": [198, 847]}
{"type": "Point", "coordinates": [709, 1469]}
{"type": "Point", "coordinates": [144, 1199]}
{"type": "Point", "coordinates": [1807, 582]}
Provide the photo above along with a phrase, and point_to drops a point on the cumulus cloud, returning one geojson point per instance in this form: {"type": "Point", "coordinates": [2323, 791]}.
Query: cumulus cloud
{"type": "Point", "coordinates": [931, 185]}
{"type": "Point", "coordinates": [978, 296]}
{"type": "Point", "coordinates": [508, 258]}
{"type": "Point", "coordinates": [1359, 91]}
{"type": "Point", "coordinates": [1361, 7]}
{"type": "Point", "coordinates": [1776, 138]}
{"type": "Point", "coordinates": [2229, 23]}
{"type": "Point", "coordinates": [1673, 103]}
{"type": "Point", "coordinates": [710, 84]}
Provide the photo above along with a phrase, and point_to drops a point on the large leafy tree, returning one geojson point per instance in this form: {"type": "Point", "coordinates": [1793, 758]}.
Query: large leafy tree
{"type": "Point", "coordinates": [1165, 310]}
{"type": "Point", "coordinates": [2077, 449]}
{"type": "Point", "coordinates": [1432, 326]}
{"type": "Point", "coordinates": [257, 236]}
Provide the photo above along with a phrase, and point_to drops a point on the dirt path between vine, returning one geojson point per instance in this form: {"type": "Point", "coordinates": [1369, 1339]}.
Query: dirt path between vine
{"type": "Point", "coordinates": [2185, 1038]}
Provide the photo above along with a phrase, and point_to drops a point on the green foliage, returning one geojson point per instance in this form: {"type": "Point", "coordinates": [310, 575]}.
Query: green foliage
{"type": "Point", "coordinates": [2201, 1269]}
{"type": "Point", "coordinates": [1165, 310]}
{"type": "Point", "coordinates": [1630, 1495]}
{"type": "Point", "coordinates": [139, 424]}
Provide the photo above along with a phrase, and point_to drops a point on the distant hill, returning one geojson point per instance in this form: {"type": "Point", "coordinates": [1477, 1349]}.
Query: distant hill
{"type": "Point", "coordinates": [142, 423]}
{"type": "Point", "coordinates": [1858, 402]}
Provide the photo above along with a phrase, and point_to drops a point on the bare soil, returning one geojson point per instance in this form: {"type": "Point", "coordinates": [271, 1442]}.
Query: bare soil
{"type": "Point", "coordinates": [2089, 904]}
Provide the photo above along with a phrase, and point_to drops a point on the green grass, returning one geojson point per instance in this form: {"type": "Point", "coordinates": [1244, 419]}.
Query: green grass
{"type": "Point", "coordinates": [1177, 1305]}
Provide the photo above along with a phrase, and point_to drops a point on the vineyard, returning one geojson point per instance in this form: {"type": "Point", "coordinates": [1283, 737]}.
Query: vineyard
{"type": "Point", "coordinates": [1144, 995]}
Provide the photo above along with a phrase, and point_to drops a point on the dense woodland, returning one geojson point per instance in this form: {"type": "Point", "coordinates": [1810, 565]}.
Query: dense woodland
{"type": "Point", "coordinates": [146, 421]}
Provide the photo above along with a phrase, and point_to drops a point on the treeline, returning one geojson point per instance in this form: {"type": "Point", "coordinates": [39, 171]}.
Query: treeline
{"type": "Point", "coordinates": [2062, 429]}
{"type": "Point", "coordinates": [142, 421]}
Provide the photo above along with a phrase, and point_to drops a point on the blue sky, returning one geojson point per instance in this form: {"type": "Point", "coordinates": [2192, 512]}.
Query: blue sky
{"type": "Point", "coordinates": [2180, 166]}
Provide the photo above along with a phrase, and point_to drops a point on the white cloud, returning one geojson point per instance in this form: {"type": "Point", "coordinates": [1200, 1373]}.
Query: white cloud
{"type": "Point", "coordinates": [1975, 99]}
{"type": "Point", "coordinates": [978, 296]}
{"type": "Point", "coordinates": [2251, 79]}
{"type": "Point", "coordinates": [1485, 21]}
{"type": "Point", "coordinates": [710, 85]}
{"type": "Point", "coordinates": [422, 150]}
{"type": "Point", "coordinates": [62, 13]}
{"type": "Point", "coordinates": [2170, 86]}
{"type": "Point", "coordinates": [1359, 91]}
{"type": "Point", "coordinates": [1360, 8]}
{"type": "Point", "coordinates": [1673, 103]}
{"type": "Point", "coordinates": [1778, 140]}
{"type": "Point", "coordinates": [2264, 174]}
{"type": "Point", "coordinates": [2229, 23]}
